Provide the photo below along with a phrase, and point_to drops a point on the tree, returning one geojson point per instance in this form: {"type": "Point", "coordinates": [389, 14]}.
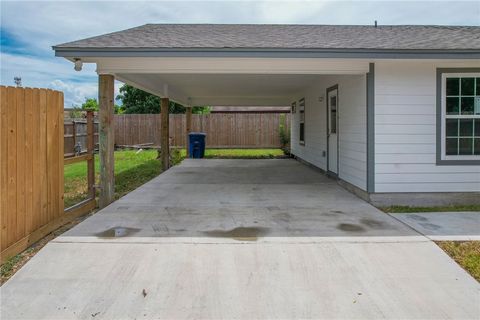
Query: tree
{"type": "Point", "coordinates": [138, 101]}
{"type": "Point", "coordinates": [92, 104]}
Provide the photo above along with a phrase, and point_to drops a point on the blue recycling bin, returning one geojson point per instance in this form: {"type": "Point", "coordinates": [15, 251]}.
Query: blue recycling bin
{"type": "Point", "coordinates": [196, 144]}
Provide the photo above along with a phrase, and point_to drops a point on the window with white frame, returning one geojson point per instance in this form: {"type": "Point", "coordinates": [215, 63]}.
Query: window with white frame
{"type": "Point", "coordinates": [460, 126]}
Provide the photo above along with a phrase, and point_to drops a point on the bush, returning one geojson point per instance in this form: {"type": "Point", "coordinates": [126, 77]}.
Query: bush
{"type": "Point", "coordinates": [284, 134]}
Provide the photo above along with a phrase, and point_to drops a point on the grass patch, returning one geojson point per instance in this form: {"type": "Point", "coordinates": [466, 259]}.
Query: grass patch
{"type": "Point", "coordinates": [132, 169]}
{"type": "Point", "coordinates": [408, 209]}
{"type": "Point", "coordinates": [241, 153]}
{"type": "Point", "coordinates": [8, 268]}
{"type": "Point", "coordinates": [465, 253]}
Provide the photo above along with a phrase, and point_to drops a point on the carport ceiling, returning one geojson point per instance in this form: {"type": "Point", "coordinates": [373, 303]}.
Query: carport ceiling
{"type": "Point", "coordinates": [224, 89]}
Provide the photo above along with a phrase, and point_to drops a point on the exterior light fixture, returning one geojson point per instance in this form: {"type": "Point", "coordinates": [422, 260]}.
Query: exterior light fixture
{"type": "Point", "coordinates": [78, 64]}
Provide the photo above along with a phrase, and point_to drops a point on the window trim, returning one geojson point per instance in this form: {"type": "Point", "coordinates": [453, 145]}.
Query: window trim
{"type": "Point", "coordinates": [443, 159]}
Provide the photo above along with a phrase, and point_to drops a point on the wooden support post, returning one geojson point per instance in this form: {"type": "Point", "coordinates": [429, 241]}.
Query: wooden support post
{"type": "Point", "coordinates": [106, 139]}
{"type": "Point", "coordinates": [91, 162]}
{"type": "Point", "coordinates": [164, 135]}
{"type": "Point", "coordinates": [188, 127]}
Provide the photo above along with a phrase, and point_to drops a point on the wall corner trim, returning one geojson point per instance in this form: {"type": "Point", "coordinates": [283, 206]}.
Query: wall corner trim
{"type": "Point", "coordinates": [371, 128]}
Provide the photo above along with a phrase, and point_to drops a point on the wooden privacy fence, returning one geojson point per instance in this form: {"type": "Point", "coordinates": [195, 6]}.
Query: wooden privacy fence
{"type": "Point", "coordinates": [240, 130]}
{"type": "Point", "coordinates": [31, 173]}
{"type": "Point", "coordinates": [75, 133]}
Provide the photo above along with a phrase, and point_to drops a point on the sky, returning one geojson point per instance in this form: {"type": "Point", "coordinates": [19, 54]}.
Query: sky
{"type": "Point", "coordinates": [29, 29]}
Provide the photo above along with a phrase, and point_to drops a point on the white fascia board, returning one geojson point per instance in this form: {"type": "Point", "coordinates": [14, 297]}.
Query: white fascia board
{"type": "Point", "coordinates": [209, 65]}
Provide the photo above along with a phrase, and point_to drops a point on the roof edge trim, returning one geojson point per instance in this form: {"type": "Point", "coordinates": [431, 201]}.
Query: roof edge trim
{"type": "Point", "coordinates": [270, 53]}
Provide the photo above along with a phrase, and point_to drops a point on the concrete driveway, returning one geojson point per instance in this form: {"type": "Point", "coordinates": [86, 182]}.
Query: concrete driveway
{"type": "Point", "coordinates": [241, 239]}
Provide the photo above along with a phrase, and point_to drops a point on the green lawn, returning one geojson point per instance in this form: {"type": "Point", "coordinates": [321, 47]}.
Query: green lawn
{"type": "Point", "coordinates": [132, 169]}
{"type": "Point", "coordinates": [408, 209]}
{"type": "Point", "coordinates": [466, 254]}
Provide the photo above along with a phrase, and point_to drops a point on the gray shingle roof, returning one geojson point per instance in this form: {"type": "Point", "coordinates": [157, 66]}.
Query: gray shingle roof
{"type": "Point", "coordinates": [241, 36]}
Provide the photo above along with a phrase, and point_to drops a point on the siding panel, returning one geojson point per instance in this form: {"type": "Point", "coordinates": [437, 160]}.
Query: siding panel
{"type": "Point", "coordinates": [352, 127]}
{"type": "Point", "coordinates": [405, 131]}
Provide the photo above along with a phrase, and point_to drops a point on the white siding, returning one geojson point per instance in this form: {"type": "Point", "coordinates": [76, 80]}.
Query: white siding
{"type": "Point", "coordinates": [352, 127]}
{"type": "Point", "coordinates": [405, 131]}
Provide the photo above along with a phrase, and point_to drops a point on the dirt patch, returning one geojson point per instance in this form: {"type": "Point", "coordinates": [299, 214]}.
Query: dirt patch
{"type": "Point", "coordinates": [240, 233]}
{"type": "Point", "coordinates": [350, 227]}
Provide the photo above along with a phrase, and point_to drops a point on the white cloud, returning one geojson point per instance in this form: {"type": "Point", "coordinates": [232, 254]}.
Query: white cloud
{"type": "Point", "coordinates": [75, 94]}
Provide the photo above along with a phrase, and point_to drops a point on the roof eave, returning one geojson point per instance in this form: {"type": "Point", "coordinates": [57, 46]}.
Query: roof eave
{"type": "Point", "coordinates": [72, 52]}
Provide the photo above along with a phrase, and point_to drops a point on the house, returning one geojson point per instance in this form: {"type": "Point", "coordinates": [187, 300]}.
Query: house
{"type": "Point", "coordinates": [392, 112]}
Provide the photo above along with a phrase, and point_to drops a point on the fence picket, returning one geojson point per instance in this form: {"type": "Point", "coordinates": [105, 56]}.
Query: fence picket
{"type": "Point", "coordinates": [31, 167]}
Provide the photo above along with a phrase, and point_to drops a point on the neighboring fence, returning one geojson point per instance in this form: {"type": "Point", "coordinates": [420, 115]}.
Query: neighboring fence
{"type": "Point", "coordinates": [76, 134]}
{"type": "Point", "coordinates": [242, 130]}
{"type": "Point", "coordinates": [31, 167]}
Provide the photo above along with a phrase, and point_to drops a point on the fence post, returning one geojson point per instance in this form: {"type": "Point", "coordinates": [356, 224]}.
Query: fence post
{"type": "Point", "coordinates": [91, 161]}
{"type": "Point", "coordinates": [164, 136]}
{"type": "Point", "coordinates": [188, 127]}
{"type": "Point", "coordinates": [74, 135]}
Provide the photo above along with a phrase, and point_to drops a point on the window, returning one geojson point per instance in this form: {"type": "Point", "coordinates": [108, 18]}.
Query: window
{"type": "Point", "coordinates": [301, 111]}
{"type": "Point", "coordinates": [333, 114]}
{"type": "Point", "coordinates": [460, 117]}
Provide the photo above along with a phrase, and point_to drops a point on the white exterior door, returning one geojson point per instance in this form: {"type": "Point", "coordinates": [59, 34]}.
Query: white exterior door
{"type": "Point", "coordinates": [332, 127]}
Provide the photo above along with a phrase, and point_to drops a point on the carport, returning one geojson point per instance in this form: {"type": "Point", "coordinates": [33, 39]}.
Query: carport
{"type": "Point", "coordinates": [188, 65]}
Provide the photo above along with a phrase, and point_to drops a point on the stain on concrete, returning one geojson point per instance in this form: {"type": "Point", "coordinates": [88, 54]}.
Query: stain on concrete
{"type": "Point", "coordinates": [117, 232]}
{"type": "Point", "coordinates": [430, 226]}
{"type": "Point", "coordinates": [282, 216]}
{"type": "Point", "coordinates": [333, 213]}
{"type": "Point", "coordinates": [417, 217]}
{"type": "Point", "coordinates": [123, 208]}
{"type": "Point", "coordinates": [239, 233]}
{"type": "Point", "coordinates": [272, 208]}
{"type": "Point", "coordinates": [350, 227]}
{"type": "Point", "coordinates": [372, 223]}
